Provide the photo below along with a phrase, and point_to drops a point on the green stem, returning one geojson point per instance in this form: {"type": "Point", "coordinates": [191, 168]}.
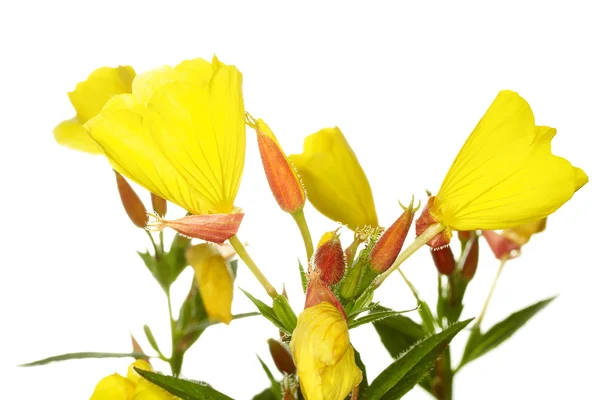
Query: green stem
{"type": "Point", "coordinates": [243, 254]}
{"type": "Point", "coordinates": [491, 292]}
{"type": "Point", "coordinates": [156, 252]}
{"type": "Point", "coordinates": [305, 232]}
{"type": "Point", "coordinates": [421, 240]}
{"type": "Point", "coordinates": [176, 359]}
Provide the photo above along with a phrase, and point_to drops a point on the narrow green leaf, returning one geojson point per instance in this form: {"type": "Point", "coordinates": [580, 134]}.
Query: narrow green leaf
{"type": "Point", "coordinates": [397, 333]}
{"type": "Point", "coordinates": [303, 276]}
{"type": "Point", "coordinates": [364, 384]}
{"type": "Point", "coordinates": [284, 313]}
{"type": "Point", "coordinates": [363, 301]}
{"type": "Point", "coordinates": [500, 332]}
{"type": "Point", "coordinates": [83, 355]}
{"type": "Point", "coordinates": [266, 394]}
{"type": "Point", "coordinates": [365, 309]}
{"type": "Point", "coordinates": [275, 386]}
{"type": "Point", "coordinates": [266, 311]}
{"type": "Point", "coordinates": [187, 390]}
{"type": "Point", "coordinates": [151, 339]}
{"type": "Point", "coordinates": [201, 327]}
{"type": "Point", "coordinates": [374, 317]}
{"type": "Point", "coordinates": [404, 373]}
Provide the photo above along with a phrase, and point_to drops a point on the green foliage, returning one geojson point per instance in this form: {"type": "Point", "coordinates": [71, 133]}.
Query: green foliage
{"type": "Point", "coordinates": [267, 312]}
{"type": "Point", "coordinates": [185, 389]}
{"type": "Point", "coordinates": [83, 355]}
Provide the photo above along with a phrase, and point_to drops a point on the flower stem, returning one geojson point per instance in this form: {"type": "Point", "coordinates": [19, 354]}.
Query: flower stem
{"type": "Point", "coordinates": [176, 359]}
{"type": "Point", "coordinates": [491, 292]}
{"type": "Point", "coordinates": [243, 254]}
{"type": "Point", "coordinates": [301, 222]}
{"type": "Point", "coordinates": [422, 239]}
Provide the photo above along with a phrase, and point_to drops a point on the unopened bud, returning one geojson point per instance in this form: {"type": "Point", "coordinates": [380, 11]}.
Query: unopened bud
{"type": "Point", "coordinates": [522, 233]}
{"type": "Point", "coordinates": [131, 202]}
{"type": "Point", "coordinates": [159, 205]}
{"type": "Point", "coordinates": [282, 357]}
{"type": "Point", "coordinates": [215, 228]}
{"type": "Point", "coordinates": [444, 260]}
{"type": "Point", "coordinates": [388, 246]}
{"type": "Point", "coordinates": [471, 257]}
{"type": "Point", "coordinates": [464, 236]}
{"type": "Point", "coordinates": [425, 220]}
{"type": "Point", "coordinates": [317, 293]}
{"type": "Point", "coordinates": [283, 180]}
{"type": "Point", "coordinates": [502, 247]}
{"type": "Point", "coordinates": [329, 259]}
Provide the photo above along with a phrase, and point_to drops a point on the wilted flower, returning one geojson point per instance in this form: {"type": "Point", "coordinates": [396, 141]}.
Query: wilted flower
{"type": "Point", "coordinates": [323, 354]}
{"type": "Point", "coordinates": [334, 180]}
{"type": "Point", "coordinates": [508, 244]}
{"type": "Point", "coordinates": [215, 280]}
{"type": "Point", "coordinates": [88, 98]}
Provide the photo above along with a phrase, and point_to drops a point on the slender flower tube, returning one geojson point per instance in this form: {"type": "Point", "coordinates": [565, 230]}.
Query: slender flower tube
{"type": "Point", "coordinates": [505, 175]}
{"type": "Point", "coordinates": [88, 98]}
{"type": "Point", "coordinates": [334, 180]}
{"type": "Point", "coordinates": [215, 281]}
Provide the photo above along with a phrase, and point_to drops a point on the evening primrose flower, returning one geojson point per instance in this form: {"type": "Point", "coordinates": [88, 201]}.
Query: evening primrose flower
{"type": "Point", "coordinates": [334, 180]}
{"type": "Point", "coordinates": [180, 134]}
{"type": "Point", "coordinates": [215, 281]}
{"type": "Point", "coordinates": [132, 387]}
{"type": "Point", "coordinates": [505, 174]}
{"type": "Point", "coordinates": [323, 354]}
{"type": "Point", "coordinates": [88, 98]}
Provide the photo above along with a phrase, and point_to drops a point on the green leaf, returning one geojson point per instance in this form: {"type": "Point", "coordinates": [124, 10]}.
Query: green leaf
{"type": "Point", "coordinates": [266, 312]}
{"type": "Point", "coordinates": [303, 276]}
{"type": "Point", "coordinates": [284, 313]}
{"type": "Point", "coordinates": [363, 301]}
{"type": "Point", "coordinates": [397, 333]}
{"type": "Point", "coordinates": [266, 394]}
{"type": "Point", "coordinates": [201, 327]}
{"type": "Point", "coordinates": [83, 355]}
{"type": "Point", "coordinates": [151, 339]}
{"type": "Point", "coordinates": [187, 390]}
{"type": "Point", "coordinates": [479, 344]}
{"type": "Point", "coordinates": [191, 314]}
{"type": "Point", "coordinates": [367, 308]}
{"type": "Point", "coordinates": [404, 373]}
{"type": "Point", "coordinates": [364, 384]}
{"type": "Point", "coordinates": [374, 317]}
{"type": "Point", "coordinates": [275, 386]}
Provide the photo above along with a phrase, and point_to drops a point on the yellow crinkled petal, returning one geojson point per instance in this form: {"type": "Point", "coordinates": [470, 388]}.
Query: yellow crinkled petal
{"type": "Point", "coordinates": [214, 279]}
{"type": "Point", "coordinates": [323, 354]}
{"type": "Point", "coordinates": [334, 180]}
{"type": "Point", "coordinates": [505, 174]}
{"type": "Point", "coordinates": [71, 134]}
{"type": "Point", "coordinates": [89, 96]}
{"type": "Point", "coordinates": [113, 387]}
{"type": "Point", "coordinates": [120, 132]}
{"type": "Point", "coordinates": [200, 129]}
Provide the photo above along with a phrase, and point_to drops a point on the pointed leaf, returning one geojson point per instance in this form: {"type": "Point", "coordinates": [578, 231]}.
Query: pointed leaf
{"type": "Point", "coordinates": [151, 339]}
{"type": "Point", "coordinates": [362, 387]}
{"type": "Point", "coordinates": [266, 311]}
{"type": "Point", "coordinates": [201, 327]}
{"type": "Point", "coordinates": [404, 373]}
{"type": "Point", "coordinates": [303, 276]}
{"type": "Point", "coordinates": [374, 317]}
{"type": "Point", "coordinates": [275, 386]}
{"type": "Point", "coordinates": [186, 390]}
{"type": "Point", "coordinates": [83, 355]}
{"type": "Point", "coordinates": [266, 394]}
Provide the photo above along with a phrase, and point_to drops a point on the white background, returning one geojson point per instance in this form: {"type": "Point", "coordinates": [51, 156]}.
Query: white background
{"type": "Point", "coordinates": [406, 84]}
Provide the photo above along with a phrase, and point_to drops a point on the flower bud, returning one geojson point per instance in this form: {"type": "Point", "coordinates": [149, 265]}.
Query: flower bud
{"type": "Point", "coordinates": [323, 354]}
{"type": "Point", "coordinates": [444, 260]}
{"type": "Point", "coordinates": [283, 180]}
{"type": "Point", "coordinates": [131, 202]}
{"type": "Point", "coordinates": [388, 246]}
{"type": "Point", "coordinates": [282, 357]}
{"type": "Point", "coordinates": [425, 220]}
{"type": "Point", "coordinates": [317, 293]}
{"type": "Point", "coordinates": [215, 228]}
{"type": "Point", "coordinates": [329, 259]}
{"type": "Point", "coordinates": [214, 279]}
{"type": "Point", "coordinates": [471, 258]}
{"type": "Point", "coordinates": [502, 247]}
{"type": "Point", "coordinates": [522, 233]}
{"type": "Point", "coordinates": [159, 205]}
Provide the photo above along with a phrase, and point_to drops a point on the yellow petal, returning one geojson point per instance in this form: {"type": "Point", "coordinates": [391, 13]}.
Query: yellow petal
{"type": "Point", "coordinates": [505, 174]}
{"type": "Point", "coordinates": [200, 129]}
{"type": "Point", "coordinates": [120, 132]}
{"type": "Point", "coordinates": [334, 180]}
{"type": "Point", "coordinates": [71, 134]}
{"type": "Point", "coordinates": [113, 387]}
{"type": "Point", "coordinates": [323, 355]}
{"type": "Point", "coordinates": [89, 96]}
{"type": "Point", "coordinates": [214, 279]}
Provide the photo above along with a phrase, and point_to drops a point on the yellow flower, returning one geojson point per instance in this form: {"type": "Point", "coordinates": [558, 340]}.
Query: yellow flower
{"type": "Point", "coordinates": [214, 279]}
{"type": "Point", "coordinates": [88, 98]}
{"type": "Point", "coordinates": [180, 134]}
{"type": "Point", "coordinates": [323, 354]}
{"type": "Point", "coordinates": [132, 387]}
{"type": "Point", "coordinates": [505, 174]}
{"type": "Point", "coordinates": [334, 180]}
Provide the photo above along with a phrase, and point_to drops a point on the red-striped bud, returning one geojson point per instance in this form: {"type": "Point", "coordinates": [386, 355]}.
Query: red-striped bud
{"type": "Point", "coordinates": [282, 357]}
{"type": "Point", "coordinates": [329, 260]}
{"type": "Point", "coordinates": [159, 205]}
{"type": "Point", "coordinates": [317, 293]}
{"type": "Point", "coordinates": [131, 202]}
{"type": "Point", "coordinates": [425, 220]}
{"type": "Point", "coordinates": [471, 258]}
{"type": "Point", "coordinates": [215, 228]}
{"type": "Point", "coordinates": [388, 246]}
{"type": "Point", "coordinates": [502, 247]}
{"type": "Point", "coordinates": [444, 260]}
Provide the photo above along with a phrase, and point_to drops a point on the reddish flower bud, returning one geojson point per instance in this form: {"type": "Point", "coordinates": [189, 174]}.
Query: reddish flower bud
{"type": "Point", "coordinates": [502, 247]}
{"type": "Point", "coordinates": [282, 357]}
{"type": "Point", "coordinates": [317, 293]}
{"type": "Point", "coordinates": [444, 260]}
{"type": "Point", "coordinates": [390, 243]}
{"type": "Point", "coordinates": [329, 259]}
{"type": "Point", "coordinates": [159, 205]}
{"type": "Point", "coordinates": [425, 220]}
{"type": "Point", "coordinates": [472, 258]}
{"type": "Point", "coordinates": [214, 228]}
{"type": "Point", "coordinates": [464, 236]}
{"type": "Point", "coordinates": [283, 180]}
{"type": "Point", "coordinates": [131, 202]}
